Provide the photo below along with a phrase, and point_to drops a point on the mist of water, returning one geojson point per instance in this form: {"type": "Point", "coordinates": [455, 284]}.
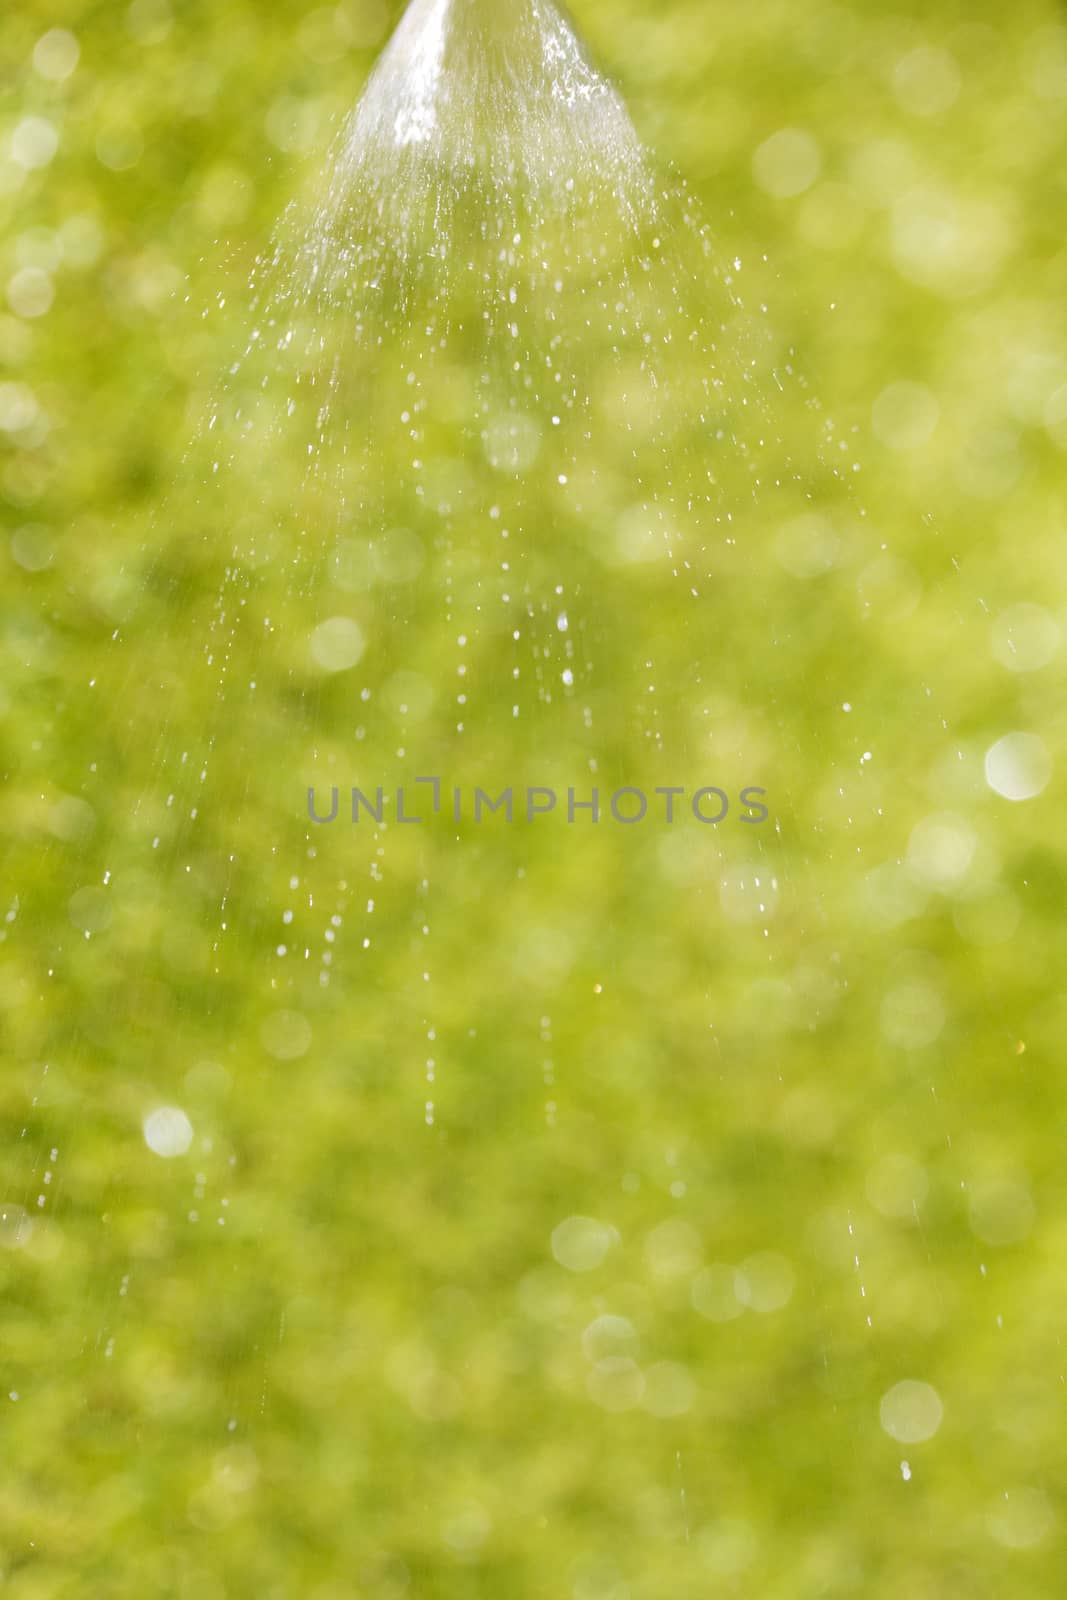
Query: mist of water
{"type": "Point", "coordinates": [498, 374]}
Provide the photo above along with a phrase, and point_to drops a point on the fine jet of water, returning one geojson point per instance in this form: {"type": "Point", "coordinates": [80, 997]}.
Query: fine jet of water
{"type": "Point", "coordinates": [481, 114]}
{"type": "Point", "coordinates": [459, 70]}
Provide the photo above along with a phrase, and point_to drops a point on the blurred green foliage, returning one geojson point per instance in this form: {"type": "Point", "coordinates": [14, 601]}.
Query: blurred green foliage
{"type": "Point", "coordinates": [337, 1350]}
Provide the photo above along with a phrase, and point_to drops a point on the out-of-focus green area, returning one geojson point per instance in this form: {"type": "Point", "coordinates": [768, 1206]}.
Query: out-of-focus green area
{"type": "Point", "coordinates": [733, 1132]}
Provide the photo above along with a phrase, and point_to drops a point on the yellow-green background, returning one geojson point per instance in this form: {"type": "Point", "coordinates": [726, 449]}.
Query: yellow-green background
{"type": "Point", "coordinates": [371, 1380]}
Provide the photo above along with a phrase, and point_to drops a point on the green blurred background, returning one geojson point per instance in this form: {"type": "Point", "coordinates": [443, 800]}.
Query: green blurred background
{"type": "Point", "coordinates": [731, 1136]}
